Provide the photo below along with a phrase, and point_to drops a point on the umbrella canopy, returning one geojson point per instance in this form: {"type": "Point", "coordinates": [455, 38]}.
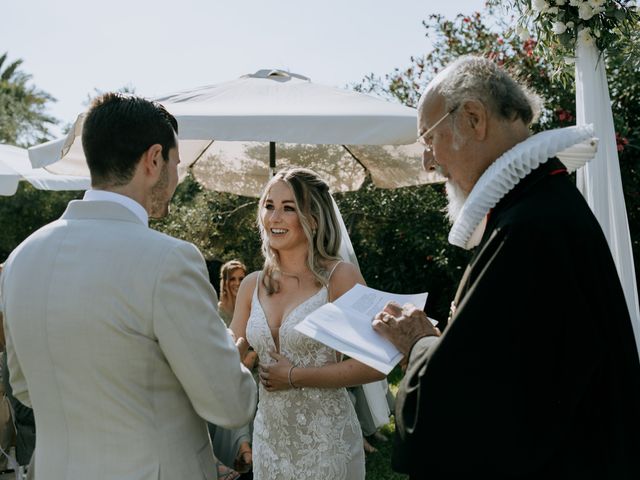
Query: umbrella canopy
{"type": "Point", "coordinates": [15, 166]}
{"type": "Point", "coordinates": [231, 134]}
{"type": "Point", "coordinates": [9, 179]}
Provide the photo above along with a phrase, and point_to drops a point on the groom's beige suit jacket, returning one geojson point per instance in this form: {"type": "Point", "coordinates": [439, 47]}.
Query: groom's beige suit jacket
{"type": "Point", "coordinates": [114, 340]}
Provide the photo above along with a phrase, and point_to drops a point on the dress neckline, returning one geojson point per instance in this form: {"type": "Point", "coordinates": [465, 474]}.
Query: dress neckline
{"type": "Point", "coordinates": [285, 317]}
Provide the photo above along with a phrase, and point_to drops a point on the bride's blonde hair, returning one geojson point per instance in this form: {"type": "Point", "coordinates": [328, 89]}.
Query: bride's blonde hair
{"type": "Point", "coordinates": [317, 216]}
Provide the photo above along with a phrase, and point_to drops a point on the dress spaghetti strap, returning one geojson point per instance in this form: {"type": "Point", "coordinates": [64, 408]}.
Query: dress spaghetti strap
{"type": "Point", "coordinates": [334, 269]}
{"type": "Point", "coordinates": [329, 279]}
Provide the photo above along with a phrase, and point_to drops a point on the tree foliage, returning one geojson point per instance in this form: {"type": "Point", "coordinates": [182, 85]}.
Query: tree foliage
{"type": "Point", "coordinates": [26, 211]}
{"type": "Point", "coordinates": [607, 24]}
{"type": "Point", "coordinates": [24, 121]}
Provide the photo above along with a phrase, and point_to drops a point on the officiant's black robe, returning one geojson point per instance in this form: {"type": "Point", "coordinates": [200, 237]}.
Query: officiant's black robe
{"type": "Point", "coordinates": [537, 375]}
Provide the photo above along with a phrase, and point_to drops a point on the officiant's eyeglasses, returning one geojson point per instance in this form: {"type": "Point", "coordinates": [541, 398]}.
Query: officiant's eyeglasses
{"type": "Point", "coordinates": [426, 138]}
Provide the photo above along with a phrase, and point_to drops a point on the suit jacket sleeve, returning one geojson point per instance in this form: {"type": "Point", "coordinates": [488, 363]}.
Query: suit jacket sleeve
{"type": "Point", "coordinates": [16, 377]}
{"type": "Point", "coordinates": [196, 342]}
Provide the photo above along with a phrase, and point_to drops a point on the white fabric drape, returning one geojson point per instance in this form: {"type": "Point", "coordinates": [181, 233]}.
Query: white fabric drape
{"type": "Point", "coordinates": [376, 392]}
{"type": "Point", "coordinates": [599, 180]}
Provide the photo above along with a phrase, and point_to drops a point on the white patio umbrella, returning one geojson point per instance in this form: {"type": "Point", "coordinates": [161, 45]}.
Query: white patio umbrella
{"type": "Point", "coordinates": [15, 166]}
{"type": "Point", "coordinates": [231, 132]}
{"type": "Point", "coordinates": [9, 179]}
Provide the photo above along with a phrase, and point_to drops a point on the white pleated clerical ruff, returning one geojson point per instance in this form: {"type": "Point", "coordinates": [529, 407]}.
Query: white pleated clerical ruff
{"type": "Point", "coordinates": [574, 146]}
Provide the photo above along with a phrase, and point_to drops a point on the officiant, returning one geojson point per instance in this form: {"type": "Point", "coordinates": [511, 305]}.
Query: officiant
{"type": "Point", "coordinates": [537, 373]}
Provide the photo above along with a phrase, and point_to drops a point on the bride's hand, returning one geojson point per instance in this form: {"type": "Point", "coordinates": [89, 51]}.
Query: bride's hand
{"type": "Point", "coordinates": [242, 346]}
{"type": "Point", "coordinates": [250, 359]}
{"type": "Point", "coordinates": [275, 377]}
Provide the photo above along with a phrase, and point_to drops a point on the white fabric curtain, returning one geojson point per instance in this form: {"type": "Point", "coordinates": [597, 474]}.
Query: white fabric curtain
{"type": "Point", "coordinates": [599, 180]}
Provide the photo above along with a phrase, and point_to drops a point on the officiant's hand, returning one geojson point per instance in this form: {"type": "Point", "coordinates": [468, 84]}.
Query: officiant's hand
{"type": "Point", "coordinates": [274, 377]}
{"type": "Point", "coordinates": [403, 326]}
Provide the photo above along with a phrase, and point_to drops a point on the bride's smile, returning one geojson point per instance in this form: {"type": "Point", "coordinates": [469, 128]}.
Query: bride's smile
{"type": "Point", "coordinates": [280, 218]}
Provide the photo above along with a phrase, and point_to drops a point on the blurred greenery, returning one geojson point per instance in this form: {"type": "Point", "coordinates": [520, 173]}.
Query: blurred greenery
{"type": "Point", "coordinates": [26, 211]}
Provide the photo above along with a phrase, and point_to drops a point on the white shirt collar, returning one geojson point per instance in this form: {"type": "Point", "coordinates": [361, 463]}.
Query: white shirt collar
{"type": "Point", "coordinates": [574, 146]}
{"type": "Point", "coordinates": [129, 203]}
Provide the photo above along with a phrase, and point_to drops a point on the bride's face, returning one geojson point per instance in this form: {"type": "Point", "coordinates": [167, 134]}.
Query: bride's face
{"type": "Point", "coordinates": [280, 218]}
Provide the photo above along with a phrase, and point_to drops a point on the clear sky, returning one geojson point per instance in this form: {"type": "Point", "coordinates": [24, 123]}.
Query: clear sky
{"type": "Point", "coordinates": [71, 47]}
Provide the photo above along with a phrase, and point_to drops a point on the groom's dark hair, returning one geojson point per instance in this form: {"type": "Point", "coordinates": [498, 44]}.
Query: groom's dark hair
{"type": "Point", "coordinates": [117, 130]}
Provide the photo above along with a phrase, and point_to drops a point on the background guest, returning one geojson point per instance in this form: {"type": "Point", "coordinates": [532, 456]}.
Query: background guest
{"type": "Point", "coordinates": [232, 446]}
{"type": "Point", "coordinates": [231, 275]}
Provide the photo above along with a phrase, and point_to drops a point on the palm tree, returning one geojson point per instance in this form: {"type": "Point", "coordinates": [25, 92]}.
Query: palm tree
{"type": "Point", "coordinates": [23, 117]}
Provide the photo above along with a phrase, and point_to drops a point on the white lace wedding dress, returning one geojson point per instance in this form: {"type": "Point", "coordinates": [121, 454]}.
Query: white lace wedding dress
{"type": "Point", "coordinates": [307, 433]}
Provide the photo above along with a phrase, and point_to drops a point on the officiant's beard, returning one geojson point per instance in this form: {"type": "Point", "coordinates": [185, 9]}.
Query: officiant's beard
{"type": "Point", "coordinates": [455, 200]}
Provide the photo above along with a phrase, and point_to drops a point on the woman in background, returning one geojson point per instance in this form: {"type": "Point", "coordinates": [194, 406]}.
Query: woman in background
{"type": "Point", "coordinates": [232, 446]}
{"type": "Point", "coordinates": [231, 275]}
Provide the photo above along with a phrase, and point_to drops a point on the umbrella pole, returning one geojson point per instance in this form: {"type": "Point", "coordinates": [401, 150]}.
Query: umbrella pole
{"type": "Point", "coordinates": [272, 159]}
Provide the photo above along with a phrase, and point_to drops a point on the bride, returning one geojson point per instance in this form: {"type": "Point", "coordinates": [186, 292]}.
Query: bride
{"type": "Point", "coordinates": [305, 426]}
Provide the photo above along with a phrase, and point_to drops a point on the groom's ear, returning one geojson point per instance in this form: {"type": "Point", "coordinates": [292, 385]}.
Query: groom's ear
{"type": "Point", "coordinates": [152, 161]}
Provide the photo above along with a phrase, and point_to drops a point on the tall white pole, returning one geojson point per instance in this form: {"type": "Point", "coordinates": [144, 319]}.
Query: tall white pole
{"type": "Point", "coordinates": [599, 180]}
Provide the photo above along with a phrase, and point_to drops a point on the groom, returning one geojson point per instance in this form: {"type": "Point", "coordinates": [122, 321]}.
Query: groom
{"type": "Point", "coordinates": [112, 331]}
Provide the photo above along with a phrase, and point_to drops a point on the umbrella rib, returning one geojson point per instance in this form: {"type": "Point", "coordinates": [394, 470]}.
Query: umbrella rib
{"type": "Point", "coordinates": [355, 158]}
{"type": "Point", "coordinates": [201, 154]}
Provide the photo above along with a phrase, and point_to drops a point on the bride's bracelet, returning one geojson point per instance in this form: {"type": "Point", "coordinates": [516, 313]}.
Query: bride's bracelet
{"type": "Point", "coordinates": [289, 376]}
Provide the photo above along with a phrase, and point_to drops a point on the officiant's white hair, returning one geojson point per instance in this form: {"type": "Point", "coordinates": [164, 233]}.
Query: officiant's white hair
{"type": "Point", "coordinates": [318, 220]}
{"type": "Point", "coordinates": [481, 79]}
